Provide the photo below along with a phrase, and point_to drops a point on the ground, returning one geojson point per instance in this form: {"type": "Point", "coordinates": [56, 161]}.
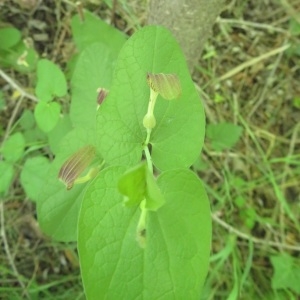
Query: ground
{"type": "Point", "coordinates": [248, 76]}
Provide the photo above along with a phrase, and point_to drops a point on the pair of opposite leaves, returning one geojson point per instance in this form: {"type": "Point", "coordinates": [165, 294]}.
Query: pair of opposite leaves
{"type": "Point", "coordinates": [167, 85]}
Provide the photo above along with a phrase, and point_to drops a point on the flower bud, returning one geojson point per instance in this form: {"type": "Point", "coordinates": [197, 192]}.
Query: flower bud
{"type": "Point", "coordinates": [149, 121]}
{"type": "Point", "coordinates": [102, 94]}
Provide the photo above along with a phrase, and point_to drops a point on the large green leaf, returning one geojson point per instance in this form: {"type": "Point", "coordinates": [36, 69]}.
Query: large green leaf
{"type": "Point", "coordinates": [27, 120]}
{"type": "Point", "coordinates": [178, 136]}
{"type": "Point", "coordinates": [57, 207]}
{"type": "Point", "coordinates": [13, 147]}
{"type": "Point", "coordinates": [34, 175]}
{"type": "Point", "coordinates": [93, 70]}
{"type": "Point", "coordinates": [9, 37]}
{"type": "Point", "coordinates": [138, 184]}
{"type": "Point", "coordinates": [6, 176]}
{"type": "Point", "coordinates": [286, 273]}
{"type": "Point", "coordinates": [35, 136]}
{"type": "Point", "coordinates": [92, 30]}
{"type": "Point", "coordinates": [63, 126]}
{"type": "Point", "coordinates": [174, 263]}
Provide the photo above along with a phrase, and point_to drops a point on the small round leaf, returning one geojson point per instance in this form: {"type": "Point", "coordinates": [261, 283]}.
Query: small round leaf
{"type": "Point", "coordinates": [47, 115]}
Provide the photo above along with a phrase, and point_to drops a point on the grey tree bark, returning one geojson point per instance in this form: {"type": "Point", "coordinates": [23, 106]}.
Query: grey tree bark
{"type": "Point", "coordinates": [190, 21]}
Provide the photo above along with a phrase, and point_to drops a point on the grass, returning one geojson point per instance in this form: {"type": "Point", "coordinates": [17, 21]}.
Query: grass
{"type": "Point", "coordinates": [249, 76]}
{"type": "Point", "coordinates": [252, 73]}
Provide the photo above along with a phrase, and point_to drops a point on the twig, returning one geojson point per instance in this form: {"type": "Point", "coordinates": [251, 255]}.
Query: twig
{"type": "Point", "coordinates": [290, 10]}
{"type": "Point", "coordinates": [253, 61]}
{"type": "Point", "coordinates": [285, 172]}
{"type": "Point", "coordinates": [251, 238]}
{"type": "Point", "coordinates": [12, 118]}
{"type": "Point", "coordinates": [208, 112]}
{"type": "Point", "coordinates": [12, 83]}
{"type": "Point", "coordinates": [7, 250]}
{"type": "Point", "coordinates": [266, 86]}
{"type": "Point", "coordinates": [243, 24]}
{"type": "Point", "coordinates": [113, 12]}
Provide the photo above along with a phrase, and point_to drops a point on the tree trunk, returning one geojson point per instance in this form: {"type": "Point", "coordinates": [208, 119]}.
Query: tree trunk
{"type": "Point", "coordinates": [190, 21]}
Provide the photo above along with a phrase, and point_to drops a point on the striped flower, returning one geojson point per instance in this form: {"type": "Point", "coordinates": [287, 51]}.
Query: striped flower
{"type": "Point", "coordinates": [75, 165]}
{"type": "Point", "coordinates": [167, 85]}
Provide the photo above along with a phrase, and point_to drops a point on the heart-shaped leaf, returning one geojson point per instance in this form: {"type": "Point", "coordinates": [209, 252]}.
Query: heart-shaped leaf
{"type": "Point", "coordinates": [178, 136]}
{"type": "Point", "coordinates": [47, 115]}
{"type": "Point", "coordinates": [93, 71]}
{"type": "Point", "coordinates": [13, 147]}
{"type": "Point", "coordinates": [34, 175]}
{"type": "Point", "coordinates": [51, 81]}
{"type": "Point", "coordinates": [92, 30]}
{"type": "Point", "coordinates": [57, 207]}
{"type": "Point", "coordinates": [174, 263]}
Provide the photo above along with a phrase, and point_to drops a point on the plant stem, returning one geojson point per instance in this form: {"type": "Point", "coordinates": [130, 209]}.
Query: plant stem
{"type": "Point", "coordinates": [152, 101]}
{"type": "Point", "coordinates": [148, 137]}
{"type": "Point", "coordinates": [141, 227]}
{"type": "Point", "coordinates": [90, 175]}
{"type": "Point", "coordinates": [149, 121]}
{"type": "Point", "coordinates": [151, 105]}
{"type": "Point", "coordinates": [148, 158]}
{"type": "Point", "coordinates": [13, 84]}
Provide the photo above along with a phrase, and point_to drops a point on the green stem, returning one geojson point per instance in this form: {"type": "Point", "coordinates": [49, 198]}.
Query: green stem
{"type": "Point", "coordinates": [141, 227]}
{"type": "Point", "coordinates": [150, 113]}
{"type": "Point", "coordinates": [148, 137]}
{"type": "Point", "coordinates": [90, 175]}
{"type": "Point", "coordinates": [152, 100]}
{"type": "Point", "coordinates": [148, 158]}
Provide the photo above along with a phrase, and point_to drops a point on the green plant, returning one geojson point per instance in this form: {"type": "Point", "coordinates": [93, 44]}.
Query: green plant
{"type": "Point", "coordinates": [16, 52]}
{"type": "Point", "coordinates": [286, 273]}
{"type": "Point", "coordinates": [12, 150]}
{"type": "Point", "coordinates": [140, 217]}
{"type": "Point", "coordinates": [223, 135]}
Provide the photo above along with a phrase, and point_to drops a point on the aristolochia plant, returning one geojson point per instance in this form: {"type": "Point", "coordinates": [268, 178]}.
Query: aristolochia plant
{"type": "Point", "coordinates": [140, 217]}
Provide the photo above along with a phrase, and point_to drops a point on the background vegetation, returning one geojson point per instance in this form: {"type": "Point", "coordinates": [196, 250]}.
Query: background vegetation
{"type": "Point", "coordinates": [249, 81]}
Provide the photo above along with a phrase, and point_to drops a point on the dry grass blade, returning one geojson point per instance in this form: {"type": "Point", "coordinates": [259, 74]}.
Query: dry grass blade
{"type": "Point", "coordinates": [253, 61]}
